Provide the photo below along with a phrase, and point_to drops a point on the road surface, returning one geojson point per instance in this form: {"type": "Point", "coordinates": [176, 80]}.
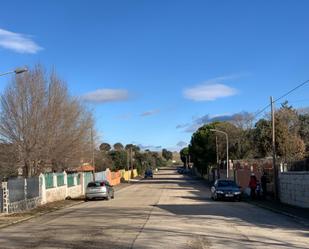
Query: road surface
{"type": "Point", "coordinates": [170, 211]}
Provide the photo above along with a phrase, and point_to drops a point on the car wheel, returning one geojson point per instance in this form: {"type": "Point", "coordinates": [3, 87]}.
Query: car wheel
{"type": "Point", "coordinates": [86, 199]}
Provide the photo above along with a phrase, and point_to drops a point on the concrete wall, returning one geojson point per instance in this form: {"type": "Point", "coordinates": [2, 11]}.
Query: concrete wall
{"type": "Point", "coordinates": [294, 188]}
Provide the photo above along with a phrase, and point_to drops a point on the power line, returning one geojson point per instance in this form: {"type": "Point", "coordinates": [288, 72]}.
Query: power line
{"type": "Point", "coordinates": [295, 88]}
{"type": "Point", "coordinates": [281, 97]}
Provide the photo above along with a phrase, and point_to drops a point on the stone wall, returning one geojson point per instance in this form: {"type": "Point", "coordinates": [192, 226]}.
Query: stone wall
{"type": "Point", "coordinates": [294, 188]}
{"type": "Point", "coordinates": [19, 206]}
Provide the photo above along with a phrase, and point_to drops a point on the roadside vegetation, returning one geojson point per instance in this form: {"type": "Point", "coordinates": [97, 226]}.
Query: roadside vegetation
{"type": "Point", "coordinates": [130, 156]}
{"type": "Point", "coordinates": [249, 139]}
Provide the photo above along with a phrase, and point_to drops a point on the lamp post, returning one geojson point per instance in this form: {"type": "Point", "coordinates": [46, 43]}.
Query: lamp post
{"type": "Point", "coordinates": [18, 70]}
{"type": "Point", "coordinates": [227, 150]}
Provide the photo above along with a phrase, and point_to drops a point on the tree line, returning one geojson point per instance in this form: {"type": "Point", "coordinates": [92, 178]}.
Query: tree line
{"type": "Point", "coordinates": [129, 156]}
{"type": "Point", "coordinates": [249, 139]}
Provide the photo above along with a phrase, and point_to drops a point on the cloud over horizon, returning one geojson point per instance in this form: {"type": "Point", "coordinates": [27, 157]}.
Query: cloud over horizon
{"type": "Point", "coordinates": [150, 147]}
{"type": "Point", "coordinates": [181, 144]}
{"type": "Point", "coordinates": [17, 42]}
{"type": "Point", "coordinates": [149, 113]}
{"type": "Point", "coordinates": [205, 119]}
{"type": "Point", "coordinates": [106, 95]}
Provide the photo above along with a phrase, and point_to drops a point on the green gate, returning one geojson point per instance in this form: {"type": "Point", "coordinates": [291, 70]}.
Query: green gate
{"type": "Point", "coordinates": [88, 177]}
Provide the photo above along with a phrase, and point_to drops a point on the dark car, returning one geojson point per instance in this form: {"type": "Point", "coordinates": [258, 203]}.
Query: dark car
{"type": "Point", "coordinates": [148, 173]}
{"type": "Point", "coordinates": [180, 170]}
{"type": "Point", "coordinates": [225, 189]}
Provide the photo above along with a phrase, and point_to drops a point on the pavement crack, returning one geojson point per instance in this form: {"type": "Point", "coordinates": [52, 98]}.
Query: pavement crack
{"type": "Point", "coordinates": [147, 219]}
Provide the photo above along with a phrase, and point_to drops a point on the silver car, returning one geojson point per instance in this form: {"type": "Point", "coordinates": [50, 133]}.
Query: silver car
{"type": "Point", "coordinates": [99, 189]}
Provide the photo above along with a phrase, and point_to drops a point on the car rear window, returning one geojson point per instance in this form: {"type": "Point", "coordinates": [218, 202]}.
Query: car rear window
{"type": "Point", "coordinates": [95, 184]}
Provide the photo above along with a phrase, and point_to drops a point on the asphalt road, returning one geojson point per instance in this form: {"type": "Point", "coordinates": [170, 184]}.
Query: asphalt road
{"type": "Point", "coordinates": [170, 211]}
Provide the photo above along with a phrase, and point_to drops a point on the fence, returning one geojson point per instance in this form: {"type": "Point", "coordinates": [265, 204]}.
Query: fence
{"type": "Point", "coordinates": [100, 176]}
{"type": "Point", "coordinates": [23, 193]}
{"type": "Point", "coordinates": [1, 200]}
{"type": "Point", "coordinates": [17, 189]}
{"type": "Point", "coordinates": [49, 180]}
{"type": "Point", "coordinates": [60, 179]}
{"type": "Point", "coordinates": [70, 180]}
{"type": "Point", "coordinates": [88, 177]}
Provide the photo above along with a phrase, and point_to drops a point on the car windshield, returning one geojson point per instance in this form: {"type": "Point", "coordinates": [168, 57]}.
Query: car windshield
{"type": "Point", "coordinates": [227, 184]}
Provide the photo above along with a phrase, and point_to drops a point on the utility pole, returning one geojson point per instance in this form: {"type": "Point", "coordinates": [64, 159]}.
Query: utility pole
{"type": "Point", "coordinates": [227, 150]}
{"type": "Point", "coordinates": [217, 151]}
{"type": "Point", "coordinates": [92, 148]}
{"type": "Point", "coordinates": [275, 169]}
{"type": "Point", "coordinates": [131, 158]}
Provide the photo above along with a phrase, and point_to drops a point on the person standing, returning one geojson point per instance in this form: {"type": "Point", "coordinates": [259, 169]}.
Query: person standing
{"type": "Point", "coordinates": [264, 184]}
{"type": "Point", "coordinates": [252, 186]}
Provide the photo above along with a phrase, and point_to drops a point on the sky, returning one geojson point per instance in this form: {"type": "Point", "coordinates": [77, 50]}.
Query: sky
{"type": "Point", "coordinates": [152, 70]}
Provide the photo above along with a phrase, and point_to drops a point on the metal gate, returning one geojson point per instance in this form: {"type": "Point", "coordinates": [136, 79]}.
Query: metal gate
{"type": "Point", "coordinates": [88, 177]}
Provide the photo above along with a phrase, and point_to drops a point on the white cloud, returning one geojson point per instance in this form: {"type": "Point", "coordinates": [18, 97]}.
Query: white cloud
{"type": "Point", "coordinates": [19, 43]}
{"type": "Point", "coordinates": [209, 92]}
{"type": "Point", "coordinates": [181, 144]}
{"type": "Point", "coordinates": [149, 113]}
{"type": "Point", "coordinates": [106, 95]}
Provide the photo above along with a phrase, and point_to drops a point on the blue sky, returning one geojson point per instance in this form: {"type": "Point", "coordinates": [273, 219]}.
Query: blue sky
{"type": "Point", "coordinates": [148, 67]}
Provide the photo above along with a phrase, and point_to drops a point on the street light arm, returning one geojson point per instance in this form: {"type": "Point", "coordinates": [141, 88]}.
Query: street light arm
{"type": "Point", "coordinates": [18, 70]}
{"type": "Point", "coordinates": [219, 131]}
{"type": "Point", "coordinates": [7, 73]}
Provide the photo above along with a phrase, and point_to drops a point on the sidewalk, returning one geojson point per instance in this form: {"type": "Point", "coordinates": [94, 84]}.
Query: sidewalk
{"type": "Point", "coordinates": [13, 218]}
{"type": "Point", "coordinates": [301, 215]}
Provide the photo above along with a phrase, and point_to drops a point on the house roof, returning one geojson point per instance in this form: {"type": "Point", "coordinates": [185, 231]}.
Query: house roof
{"type": "Point", "coordinates": [84, 168]}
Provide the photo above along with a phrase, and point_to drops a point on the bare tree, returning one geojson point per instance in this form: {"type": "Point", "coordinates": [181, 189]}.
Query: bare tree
{"type": "Point", "coordinates": [48, 127]}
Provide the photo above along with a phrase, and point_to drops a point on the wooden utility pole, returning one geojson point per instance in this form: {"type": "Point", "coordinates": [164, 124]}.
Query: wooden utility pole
{"type": "Point", "coordinates": [275, 169]}
{"type": "Point", "coordinates": [92, 148]}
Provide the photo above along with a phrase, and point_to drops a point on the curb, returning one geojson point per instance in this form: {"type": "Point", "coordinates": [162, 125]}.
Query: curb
{"type": "Point", "coordinates": [298, 219]}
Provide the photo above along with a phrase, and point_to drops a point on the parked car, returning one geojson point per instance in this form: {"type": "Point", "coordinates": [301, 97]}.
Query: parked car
{"type": "Point", "coordinates": [183, 170]}
{"type": "Point", "coordinates": [180, 170]}
{"type": "Point", "coordinates": [225, 189]}
{"type": "Point", "coordinates": [148, 173]}
{"type": "Point", "coordinates": [99, 190]}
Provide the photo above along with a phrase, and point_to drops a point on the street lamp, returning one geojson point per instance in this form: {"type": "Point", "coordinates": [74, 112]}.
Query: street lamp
{"type": "Point", "coordinates": [18, 70]}
{"type": "Point", "coordinates": [227, 150]}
